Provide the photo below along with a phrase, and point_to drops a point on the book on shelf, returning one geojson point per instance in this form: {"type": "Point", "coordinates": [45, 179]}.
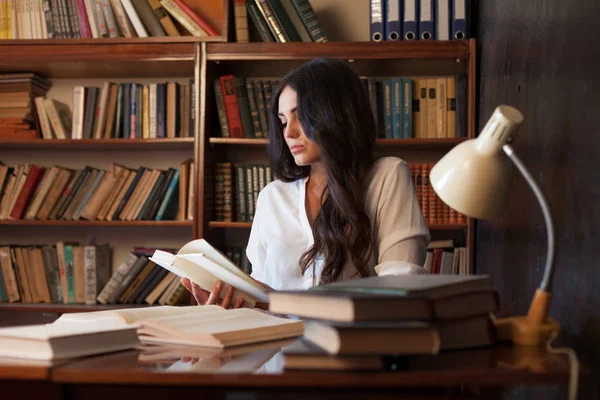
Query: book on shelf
{"type": "Point", "coordinates": [93, 19]}
{"type": "Point", "coordinates": [79, 334]}
{"type": "Point", "coordinates": [35, 192]}
{"type": "Point", "coordinates": [277, 21]}
{"type": "Point", "coordinates": [203, 264]}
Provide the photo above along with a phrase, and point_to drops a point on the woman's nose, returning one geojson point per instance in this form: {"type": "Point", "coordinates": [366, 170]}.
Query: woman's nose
{"type": "Point", "coordinates": [292, 130]}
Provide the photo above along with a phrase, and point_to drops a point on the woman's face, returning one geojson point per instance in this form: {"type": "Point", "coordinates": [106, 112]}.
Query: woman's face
{"type": "Point", "coordinates": [304, 150]}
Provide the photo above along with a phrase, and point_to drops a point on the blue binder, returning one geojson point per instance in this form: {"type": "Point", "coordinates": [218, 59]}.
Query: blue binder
{"type": "Point", "coordinates": [426, 27]}
{"type": "Point", "coordinates": [376, 13]}
{"type": "Point", "coordinates": [393, 26]}
{"type": "Point", "coordinates": [459, 19]}
{"type": "Point", "coordinates": [410, 23]}
{"type": "Point", "coordinates": [442, 20]}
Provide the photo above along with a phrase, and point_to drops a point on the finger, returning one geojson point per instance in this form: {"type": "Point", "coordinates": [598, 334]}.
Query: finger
{"type": "Point", "coordinates": [239, 303]}
{"type": "Point", "coordinates": [187, 284]}
{"type": "Point", "coordinates": [262, 305]}
{"type": "Point", "coordinates": [214, 295]}
{"type": "Point", "coordinates": [227, 298]}
{"type": "Point", "coordinates": [199, 294]}
{"type": "Point", "coordinates": [186, 359]}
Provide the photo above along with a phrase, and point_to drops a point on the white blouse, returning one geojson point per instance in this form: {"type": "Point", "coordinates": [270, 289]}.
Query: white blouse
{"type": "Point", "coordinates": [281, 232]}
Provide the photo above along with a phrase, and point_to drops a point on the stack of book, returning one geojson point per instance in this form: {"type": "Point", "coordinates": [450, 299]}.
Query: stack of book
{"type": "Point", "coordinates": [35, 192]}
{"type": "Point", "coordinates": [365, 321]}
{"type": "Point", "coordinates": [17, 112]}
{"type": "Point", "coordinates": [87, 19]}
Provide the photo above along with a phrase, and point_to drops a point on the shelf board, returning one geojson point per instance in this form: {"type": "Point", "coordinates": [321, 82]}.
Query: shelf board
{"type": "Point", "coordinates": [381, 143]}
{"type": "Point", "coordinates": [158, 224]}
{"type": "Point", "coordinates": [64, 308]}
{"type": "Point", "coordinates": [112, 41]}
{"type": "Point", "coordinates": [97, 144]}
{"type": "Point", "coordinates": [248, 225]}
{"type": "Point", "coordinates": [451, 49]}
{"type": "Point", "coordinates": [102, 60]}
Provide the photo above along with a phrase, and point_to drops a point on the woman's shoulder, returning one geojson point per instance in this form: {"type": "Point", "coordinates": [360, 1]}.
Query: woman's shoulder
{"type": "Point", "coordinates": [388, 165]}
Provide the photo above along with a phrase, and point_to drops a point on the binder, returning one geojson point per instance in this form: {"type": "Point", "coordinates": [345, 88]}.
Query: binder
{"type": "Point", "coordinates": [376, 13]}
{"type": "Point", "coordinates": [426, 27]}
{"type": "Point", "coordinates": [410, 22]}
{"type": "Point", "coordinates": [442, 20]}
{"type": "Point", "coordinates": [392, 20]}
{"type": "Point", "coordinates": [459, 19]}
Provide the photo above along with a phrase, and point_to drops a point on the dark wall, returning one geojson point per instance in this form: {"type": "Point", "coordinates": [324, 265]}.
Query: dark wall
{"type": "Point", "coordinates": [543, 57]}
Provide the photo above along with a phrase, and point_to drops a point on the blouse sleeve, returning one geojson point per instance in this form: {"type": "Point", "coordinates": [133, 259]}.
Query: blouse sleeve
{"type": "Point", "coordinates": [402, 234]}
{"type": "Point", "coordinates": [256, 250]}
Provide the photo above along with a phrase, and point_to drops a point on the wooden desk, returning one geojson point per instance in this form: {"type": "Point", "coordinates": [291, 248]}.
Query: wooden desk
{"type": "Point", "coordinates": [125, 375]}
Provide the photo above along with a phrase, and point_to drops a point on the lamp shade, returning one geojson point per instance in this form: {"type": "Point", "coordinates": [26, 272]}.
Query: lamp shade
{"type": "Point", "coordinates": [474, 177]}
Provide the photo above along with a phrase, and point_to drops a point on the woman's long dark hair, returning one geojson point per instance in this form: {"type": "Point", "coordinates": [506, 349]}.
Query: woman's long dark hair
{"type": "Point", "coordinates": [334, 111]}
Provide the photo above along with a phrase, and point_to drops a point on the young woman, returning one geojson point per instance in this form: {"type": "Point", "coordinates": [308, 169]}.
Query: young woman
{"type": "Point", "coordinates": [333, 213]}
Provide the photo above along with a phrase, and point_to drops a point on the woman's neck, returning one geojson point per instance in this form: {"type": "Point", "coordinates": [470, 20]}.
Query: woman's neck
{"type": "Point", "coordinates": [317, 181]}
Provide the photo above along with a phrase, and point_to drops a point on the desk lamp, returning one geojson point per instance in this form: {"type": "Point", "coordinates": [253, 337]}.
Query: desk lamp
{"type": "Point", "coordinates": [474, 179]}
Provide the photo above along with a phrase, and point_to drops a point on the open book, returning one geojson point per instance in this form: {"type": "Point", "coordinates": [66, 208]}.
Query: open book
{"type": "Point", "coordinates": [204, 265]}
{"type": "Point", "coordinates": [81, 334]}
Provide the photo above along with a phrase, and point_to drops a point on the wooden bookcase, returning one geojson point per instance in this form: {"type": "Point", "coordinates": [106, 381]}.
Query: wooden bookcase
{"type": "Point", "coordinates": [204, 59]}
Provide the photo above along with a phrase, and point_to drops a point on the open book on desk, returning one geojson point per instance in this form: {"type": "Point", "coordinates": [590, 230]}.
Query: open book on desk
{"type": "Point", "coordinates": [203, 264]}
{"type": "Point", "coordinates": [81, 334]}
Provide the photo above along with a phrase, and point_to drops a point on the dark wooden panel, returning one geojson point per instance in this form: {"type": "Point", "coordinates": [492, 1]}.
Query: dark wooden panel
{"type": "Point", "coordinates": [541, 56]}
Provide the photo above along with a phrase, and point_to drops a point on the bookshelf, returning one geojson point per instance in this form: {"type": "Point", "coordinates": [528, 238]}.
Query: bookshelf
{"type": "Point", "coordinates": [204, 59]}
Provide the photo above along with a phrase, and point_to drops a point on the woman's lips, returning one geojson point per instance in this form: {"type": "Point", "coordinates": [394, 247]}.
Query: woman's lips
{"type": "Point", "coordinates": [296, 148]}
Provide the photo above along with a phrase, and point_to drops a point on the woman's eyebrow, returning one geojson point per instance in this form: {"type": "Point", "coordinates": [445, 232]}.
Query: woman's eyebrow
{"type": "Point", "coordinates": [293, 110]}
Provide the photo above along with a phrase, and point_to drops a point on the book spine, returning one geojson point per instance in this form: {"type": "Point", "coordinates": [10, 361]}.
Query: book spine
{"type": "Point", "coordinates": [91, 16]}
{"type": "Point", "coordinates": [271, 18]}
{"type": "Point", "coordinates": [451, 107]}
{"type": "Point", "coordinates": [33, 179]}
{"type": "Point", "coordinates": [134, 18]}
{"type": "Point", "coordinates": [309, 18]}
{"type": "Point", "coordinates": [219, 99]}
{"type": "Point", "coordinates": [241, 21]}
{"type": "Point", "coordinates": [262, 107]}
{"type": "Point", "coordinates": [163, 17]}
{"type": "Point", "coordinates": [123, 21]}
{"type": "Point", "coordinates": [241, 210]}
{"type": "Point", "coordinates": [8, 272]}
{"type": "Point", "coordinates": [407, 115]}
{"type": "Point", "coordinates": [150, 21]}
{"type": "Point", "coordinates": [205, 26]}
{"type": "Point", "coordinates": [100, 19]}
{"type": "Point", "coordinates": [108, 292]}
{"type": "Point", "coordinates": [184, 19]}
{"type": "Point", "coordinates": [397, 111]}
{"type": "Point", "coordinates": [111, 21]}
{"type": "Point", "coordinates": [74, 19]}
{"type": "Point", "coordinates": [231, 107]}
{"type": "Point", "coordinates": [258, 132]}
{"type": "Point", "coordinates": [259, 22]}
{"type": "Point", "coordinates": [169, 197]}
{"type": "Point", "coordinates": [244, 107]}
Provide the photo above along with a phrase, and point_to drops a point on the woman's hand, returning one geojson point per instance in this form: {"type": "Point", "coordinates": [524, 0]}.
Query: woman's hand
{"type": "Point", "coordinates": [204, 297]}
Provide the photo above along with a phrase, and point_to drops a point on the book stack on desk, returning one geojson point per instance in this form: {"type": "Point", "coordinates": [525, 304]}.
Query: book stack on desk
{"type": "Point", "coordinates": [385, 316]}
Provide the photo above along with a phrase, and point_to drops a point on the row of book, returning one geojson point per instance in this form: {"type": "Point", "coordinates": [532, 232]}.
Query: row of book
{"type": "Point", "coordinates": [418, 20]}
{"type": "Point", "coordinates": [250, 179]}
{"type": "Point", "coordinates": [70, 273]}
{"type": "Point", "coordinates": [87, 19]}
{"type": "Point", "coordinates": [237, 254]}
{"type": "Point", "coordinates": [435, 211]}
{"type": "Point", "coordinates": [420, 108]}
{"type": "Point", "coordinates": [447, 258]}
{"type": "Point", "coordinates": [120, 111]}
{"type": "Point", "coordinates": [243, 105]}
{"type": "Point", "coordinates": [33, 192]}
{"type": "Point", "coordinates": [17, 112]}
{"type": "Point", "coordinates": [280, 21]}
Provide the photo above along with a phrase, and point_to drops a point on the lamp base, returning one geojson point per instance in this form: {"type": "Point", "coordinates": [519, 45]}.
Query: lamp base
{"type": "Point", "coordinates": [534, 329]}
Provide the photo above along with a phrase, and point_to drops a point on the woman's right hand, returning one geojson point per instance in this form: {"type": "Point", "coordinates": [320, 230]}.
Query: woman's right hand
{"type": "Point", "coordinates": [204, 297]}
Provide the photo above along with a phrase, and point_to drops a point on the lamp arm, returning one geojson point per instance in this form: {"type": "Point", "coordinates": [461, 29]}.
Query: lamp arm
{"type": "Point", "coordinates": [546, 284]}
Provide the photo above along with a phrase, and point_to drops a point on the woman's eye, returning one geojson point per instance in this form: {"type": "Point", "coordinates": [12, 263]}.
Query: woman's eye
{"type": "Point", "coordinates": [283, 125]}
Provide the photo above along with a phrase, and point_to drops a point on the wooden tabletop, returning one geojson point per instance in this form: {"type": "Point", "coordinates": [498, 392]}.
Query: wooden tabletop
{"type": "Point", "coordinates": [495, 366]}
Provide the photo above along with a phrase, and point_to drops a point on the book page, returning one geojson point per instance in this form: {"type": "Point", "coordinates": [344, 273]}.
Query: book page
{"type": "Point", "coordinates": [48, 331]}
{"type": "Point", "coordinates": [126, 316]}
